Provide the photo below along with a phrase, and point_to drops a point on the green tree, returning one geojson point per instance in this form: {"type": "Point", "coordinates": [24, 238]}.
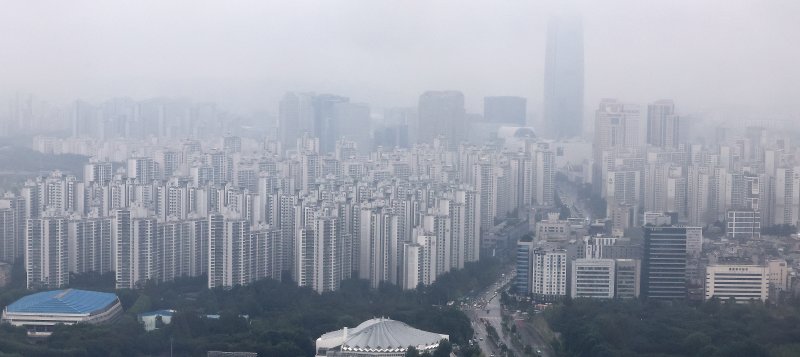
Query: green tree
{"type": "Point", "coordinates": [412, 352]}
{"type": "Point", "coordinates": [444, 349]}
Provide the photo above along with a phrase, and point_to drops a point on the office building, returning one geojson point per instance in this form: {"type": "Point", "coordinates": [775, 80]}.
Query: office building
{"type": "Point", "coordinates": [592, 278]}
{"type": "Point", "coordinates": [627, 275]}
{"type": "Point", "coordinates": [779, 278]}
{"type": "Point", "coordinates": [694, 241]}
{"type": "Point", "coordinates": [522, 281]}
{"type": "Point", "coordinates": [743, 224]}
{"type": "Point", "coordinates": [743, 283]}
{"type": "Point", "coordinates": [664, 263]}
{"type": "Point", "coordinates": [553, 228]}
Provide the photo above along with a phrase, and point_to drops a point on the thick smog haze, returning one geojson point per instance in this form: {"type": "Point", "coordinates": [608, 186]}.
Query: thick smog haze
{"type": "Point", "coordinates": [737, 56]}
{"type": "Point", "coordinates": [389, 178]}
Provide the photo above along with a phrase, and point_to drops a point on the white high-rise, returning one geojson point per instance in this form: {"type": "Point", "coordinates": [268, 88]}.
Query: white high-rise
{"type": "Point", "coordinates": [549, 273]}
{"type": "Point", "coordinates": [378, 245]}
{"type": "Point", "coordinates": [91, 242]}
{"type": "Point", "coordinates": [47, 252]}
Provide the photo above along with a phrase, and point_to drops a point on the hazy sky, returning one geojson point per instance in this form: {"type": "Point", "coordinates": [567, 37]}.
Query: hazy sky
{"type": "Point", "coordinates": [705, 54]}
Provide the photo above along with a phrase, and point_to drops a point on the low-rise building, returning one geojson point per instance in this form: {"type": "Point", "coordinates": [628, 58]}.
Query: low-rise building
{"type": "Point", "coordinates": [593, 278]}
{"type": "Point", "coordinates": [39, 312]}
{"type": "Point", "coordinates": [627, 276]}
{"type": "Point", "coordinates": [742, 283]}
{"type": "Point", "coordinates": [155, 319]}
{"type": "Point", "coordinates": [378, 337]}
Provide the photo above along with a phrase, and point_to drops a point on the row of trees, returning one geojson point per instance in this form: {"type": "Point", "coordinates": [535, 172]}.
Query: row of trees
{"type": "Point", "coordinates": [780, 230]}
{"type": "Point", "coordinates": [635, 328]}
{"type": "Point", "coordinates": [268, 317]}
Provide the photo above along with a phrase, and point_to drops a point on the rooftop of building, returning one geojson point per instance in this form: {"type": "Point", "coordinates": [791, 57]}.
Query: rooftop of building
{"type": "Point", "coordinates": [384, 335]}
{"type": "Point", "coordinates": [158, 313]}
{"type": "Point", "coordinates": [69, 301]}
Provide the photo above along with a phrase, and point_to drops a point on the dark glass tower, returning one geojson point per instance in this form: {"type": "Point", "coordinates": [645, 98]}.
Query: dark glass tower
{"type": "Point", "coordinates": [563, 78]}
{"type": "Point", "coordinates": [664, 263]}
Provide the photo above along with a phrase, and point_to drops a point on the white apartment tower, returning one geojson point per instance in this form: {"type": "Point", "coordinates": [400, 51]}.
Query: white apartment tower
{"type": "Point", "coordinates": [47, 252]}
{"type": "Point", "coordinates": [549, 273]}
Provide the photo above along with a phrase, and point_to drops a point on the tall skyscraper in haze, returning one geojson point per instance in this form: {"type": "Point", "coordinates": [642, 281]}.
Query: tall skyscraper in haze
{"type": "Point", "coordinates": [442, 113]}
{"type": "Point", "coordinates": [563, 78]}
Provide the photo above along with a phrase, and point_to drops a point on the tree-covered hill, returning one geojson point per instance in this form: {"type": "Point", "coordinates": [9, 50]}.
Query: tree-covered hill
{"type": "Point", "coordinates": [633, 328]}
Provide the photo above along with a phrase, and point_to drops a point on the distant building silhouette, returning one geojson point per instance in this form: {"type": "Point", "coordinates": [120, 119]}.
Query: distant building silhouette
{"type": "Point", "coordinates": [563, 78]}
{"type": "Point", "coordinates": [507, 110]}
{"type": "Point", "coordinates": [442, 113]}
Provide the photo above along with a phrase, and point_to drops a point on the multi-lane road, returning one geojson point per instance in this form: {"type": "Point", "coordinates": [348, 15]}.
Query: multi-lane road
{"type": "Point", "coordinates": [485, 308]}
{"type": "Point", "coordinates": [568, 193]}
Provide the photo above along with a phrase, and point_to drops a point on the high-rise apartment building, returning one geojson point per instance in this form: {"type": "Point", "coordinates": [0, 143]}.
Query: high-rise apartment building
{"type": "Point", "coordinates": [787, 196]}
{"type": "Point", "coordinates": [47, 252]}
{"type": "Point", "coordinates": [137, 253]}
{"type": "Point", "coordinates": [8, 234]}
{"type": "Point", "coordinates": [616, 128]}
{"type": "Point", "coordinates": [549, 273]}
{"type": "Point", "coordinates": [378, 246]}
{"type": "Point", "coordinates": [663, 125]}
{"type": "Point", "coordinates": [93, 245]}
{"type": "Point", "coordinates": [229, 251]}
{"type": "Point", "coordinates": [318, 256]}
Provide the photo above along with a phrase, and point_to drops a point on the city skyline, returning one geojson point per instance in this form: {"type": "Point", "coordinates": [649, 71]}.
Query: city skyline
{"type": "Point", "coordinates": [518, 178]}
{"type": "Point", "coordinates": [661, 60]}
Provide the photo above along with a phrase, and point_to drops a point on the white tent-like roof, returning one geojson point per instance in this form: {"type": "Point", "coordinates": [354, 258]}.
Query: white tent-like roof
{"type": "Point", "coordinates": [380, 335]}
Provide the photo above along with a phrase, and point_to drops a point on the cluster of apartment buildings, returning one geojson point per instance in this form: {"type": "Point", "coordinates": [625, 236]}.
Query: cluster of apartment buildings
{"type": "Point", "coordinates": [399, 216]}
{"type": "Point", "coordinates": [750, 180]}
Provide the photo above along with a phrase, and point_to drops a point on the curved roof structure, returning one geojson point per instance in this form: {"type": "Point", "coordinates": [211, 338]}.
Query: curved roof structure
{"type": "Point", "coordinates": [386, 335]}
{"type": "Point", "coordinates": [69, 301]}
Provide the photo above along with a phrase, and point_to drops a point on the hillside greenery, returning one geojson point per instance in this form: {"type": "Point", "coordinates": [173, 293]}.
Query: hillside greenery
{"type": "Point", "coordinates": [715, 328]}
